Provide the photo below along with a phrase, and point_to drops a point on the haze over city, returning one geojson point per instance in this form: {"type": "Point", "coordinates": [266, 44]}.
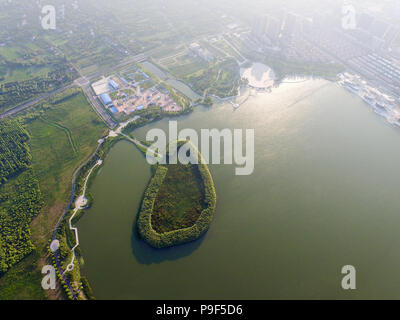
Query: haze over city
{"type": "Point", "coordinates": [199, 150]}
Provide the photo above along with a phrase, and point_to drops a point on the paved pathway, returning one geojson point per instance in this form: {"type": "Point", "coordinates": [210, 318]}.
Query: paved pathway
{"type": "Point", "coordinates": [80, 204]}
{"type": "Point", "coordinates": [82, 201]}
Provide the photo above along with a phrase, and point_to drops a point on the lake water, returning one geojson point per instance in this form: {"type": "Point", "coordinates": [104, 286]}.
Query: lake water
{"type": "Point", "coordinates": [169, 79]}
{"type": "Point", "coordinates": [155, 70]}
{"type": "Point", "coordinates": [324, 194]}
{"type": "Point", "coordinates": [183, 88]}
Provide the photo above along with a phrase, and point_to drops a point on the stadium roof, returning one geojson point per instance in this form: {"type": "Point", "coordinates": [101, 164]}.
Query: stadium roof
{"type": "Point", "coordinates": [113, 84]}
{"type": "Point", "coordinates": [105, 98]}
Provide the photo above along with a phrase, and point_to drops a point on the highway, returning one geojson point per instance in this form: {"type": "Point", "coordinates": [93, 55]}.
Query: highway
{"type": "Point", "coordinates": [33, 102]}
{"type": "Point", "coordinates": [84, 83]}
{"type": "Point", "coordinates": [138, 58]}
{"type": "Point", "coordinates": [97, 106]}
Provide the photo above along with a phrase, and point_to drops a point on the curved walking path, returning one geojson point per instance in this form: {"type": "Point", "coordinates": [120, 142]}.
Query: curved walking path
{"type": "Point", "coordinates": [80, 204]}
{"type": "Point", "coordinates": [82, 201]}
{"type": "Point", "coordinates": [54, 237]}
{"type": "Point", "coordinates": [138, 143]}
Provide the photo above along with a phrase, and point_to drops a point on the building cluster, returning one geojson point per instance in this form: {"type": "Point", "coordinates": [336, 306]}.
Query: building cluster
{"type": "Point", "coordinates": [123, 97]}
{"type": "Point", "coordinates": [370, 48]}
{"type": "Point", "coordinates": [283, 35]}
{"type": "Point", "coordinates": [376, 34]}
{"type": "Point", "coordinates": [267, 29]}
{"type": "Point", "coordinates": [134, 100]}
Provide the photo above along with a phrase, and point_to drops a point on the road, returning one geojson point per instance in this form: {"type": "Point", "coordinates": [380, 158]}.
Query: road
{"type": "Point", "coordinates": [127, 61]}
{"type": "Point", "coordinates": [97, 106]}
{"type": "Point", "coordinates": [83, 82]}
{"type": "Point", "coordinates": [31, 103]}
{"type": "Point", "coordinates": [85, 85]}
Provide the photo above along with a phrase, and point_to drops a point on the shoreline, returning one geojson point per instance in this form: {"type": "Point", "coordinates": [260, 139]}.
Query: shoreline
{"type": "Point", "coordinates": [380, 101]}
{"type": "Point", "coordinates": [120, 135]}
{"type": "Point", "coordinates": [80, 204]}
{"type": "Point", "coordinates": [182, 235]}
{"type": "Point", "coordinates": [81, 201]}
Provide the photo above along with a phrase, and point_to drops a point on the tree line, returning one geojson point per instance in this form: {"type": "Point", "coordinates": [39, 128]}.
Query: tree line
{"type": "Point", "coordinates": [16, 92]}
{"type": "Point", "coordinates": [175, 237]}
{"type": "Point", "coordinates": [20, 196]}
{"type": "Point", "coordinates": [14, 151]}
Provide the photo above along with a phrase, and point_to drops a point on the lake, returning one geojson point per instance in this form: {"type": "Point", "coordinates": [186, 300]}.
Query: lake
{"type": "Point", "coordinates": [324, 194]}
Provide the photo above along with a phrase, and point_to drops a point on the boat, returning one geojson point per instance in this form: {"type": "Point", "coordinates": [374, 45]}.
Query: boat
{"type": "Point", "coordinates": [381, 110]}
{"type": "Point", "coordinates": [382, 103]}
{"type": "Point", "coordinates": [351, 86]}
{"type": "Point", "coordinates": [368, 99]}
{"type": "Point", "coordinates": [380, 106]}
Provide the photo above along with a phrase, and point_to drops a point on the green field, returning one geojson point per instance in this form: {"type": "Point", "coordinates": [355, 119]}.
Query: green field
{"type": "Point", "coordinates": [56, 128]}
{"type": "Point", "coordinates": [185, 65]}
{"type": "Point", "coordinates": [9, 53]}
{"type": "Point", "coordinates": [68, 126]}
{"type": "Point", "coordinates": [178, 204]}
{"type": "Point", "coordinates": [22, 282]}
{"type": "Point", "coordinates": [225, 47]}
{"type": "Point", "coordinates": [23, 73]}
{"type": "Point", "coordinates": [26, 61]}
{"type": "Point", "coordinates": [219, 78]}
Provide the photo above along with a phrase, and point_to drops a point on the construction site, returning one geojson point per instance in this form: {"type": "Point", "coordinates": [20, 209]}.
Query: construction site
{"type": "Point", "coordinates": [136, 92]}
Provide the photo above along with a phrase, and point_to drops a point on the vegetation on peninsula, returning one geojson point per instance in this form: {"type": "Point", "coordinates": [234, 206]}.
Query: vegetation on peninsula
{"type": "Point", "coordinates": [172, 214]}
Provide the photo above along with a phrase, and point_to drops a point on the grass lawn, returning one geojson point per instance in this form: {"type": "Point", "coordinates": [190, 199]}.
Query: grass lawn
{"type": "Point", "coordinates": [54, 162]}
{"type": "Point", "coordinates": [54, 159]}
{"type": "Point", "coordinates": [9, 53]}
{"type": "Point", "coordinates": [21, 74]}
{"type": "Point", "coordinates": [186, 65]}
{"type": "Point", "coordinates": [23, 281]}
